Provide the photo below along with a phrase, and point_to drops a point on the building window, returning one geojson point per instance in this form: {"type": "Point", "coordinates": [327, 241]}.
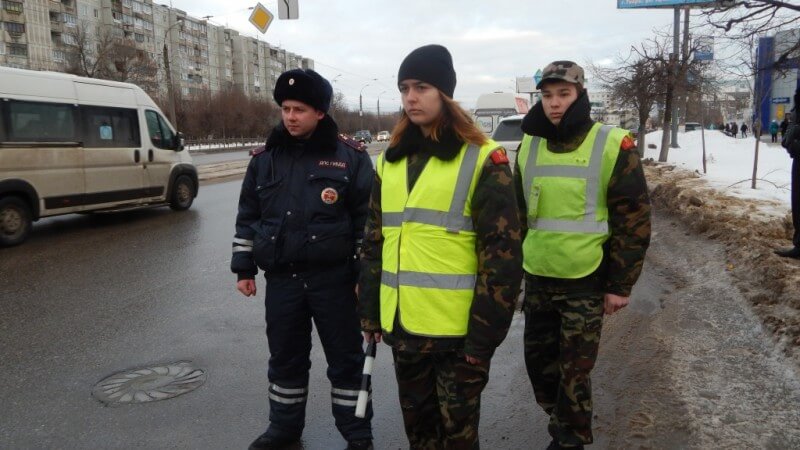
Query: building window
{"type": "Point", "coordinates": [70, 20]}
{"type": "Point", "coordinates": [139, 37]}
{"type": "Point", "coordinates": [12, 7]}
{"type": "Point", "coordinates": [2, 48]}
{"type": "Point", "coordinates": [69, 39]}
{"type": "Point", "coordinates": [59, 55]}
{"type": "Point", "coordinates": [15, 28]}
{"type": "Point", "coordinates": [83, 11]}
{"type": "Point", "coordinates": [137, 7]}
{"type": "Point", "coordinates": [126, 3]}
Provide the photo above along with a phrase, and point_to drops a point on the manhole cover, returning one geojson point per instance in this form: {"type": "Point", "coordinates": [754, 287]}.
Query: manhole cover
{"type": "Point", "coordinates": [149, 384]}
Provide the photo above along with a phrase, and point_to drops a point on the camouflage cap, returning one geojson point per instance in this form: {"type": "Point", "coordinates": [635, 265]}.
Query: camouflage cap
{"type": "Point", "coordinates": [562, 70]}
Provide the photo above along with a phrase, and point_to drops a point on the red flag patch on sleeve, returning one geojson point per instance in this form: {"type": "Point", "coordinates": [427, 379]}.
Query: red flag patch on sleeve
{"type": "Point", "coordinates": [627, 143]}
{"type": "Point", "coordinates": [499, 157]}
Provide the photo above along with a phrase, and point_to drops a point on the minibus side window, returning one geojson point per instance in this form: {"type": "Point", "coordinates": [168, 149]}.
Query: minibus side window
{"type": "Point", "coordinates": [40, 122]}
{"type": "Point", "coordinates": [110, 127]}
{"type": "Point", "coordinates": [2, 123]}
{"type": "Point", "coordinates": [160, 134]}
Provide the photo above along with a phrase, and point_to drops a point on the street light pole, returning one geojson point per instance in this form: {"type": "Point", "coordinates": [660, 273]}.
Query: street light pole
{"type": "Point", "coordinates": [379, 110]}
{"type": "Point", "coordinates": [361, 106]}
{"type": "Point", "coordinates": [170, 86]}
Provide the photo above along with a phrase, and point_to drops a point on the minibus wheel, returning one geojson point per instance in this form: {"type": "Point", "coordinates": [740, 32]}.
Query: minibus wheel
{"type": "Point", "coordinates": [182, 193]}
{"type": "Point", "coordinates": [15, 221]}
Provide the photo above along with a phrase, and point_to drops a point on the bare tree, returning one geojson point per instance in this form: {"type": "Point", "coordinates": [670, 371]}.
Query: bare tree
{"type": "Point", "coordinates": [98, 52]}
{"type": "Point", "coordinates": [635, 82]}
{"type": "Point", "coordinates": [743, 20]}
{"type": "Point", "coordinates": [92, 49]}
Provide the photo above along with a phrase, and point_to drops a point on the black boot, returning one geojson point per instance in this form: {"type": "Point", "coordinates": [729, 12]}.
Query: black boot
{"type": "Point", "coordinates": [793, 252]}
{"type": "Point", "coordinates": [270, 441]}
{"type": "Point", "coordinates": [555, 446]}
{"type": "Point", "coordinates": [360, 444]}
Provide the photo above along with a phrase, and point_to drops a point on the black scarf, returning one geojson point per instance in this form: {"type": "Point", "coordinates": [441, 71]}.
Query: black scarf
{"type": "Point", "coordinates": [324, 138]}
{"type": "Point", "coordinates": [413, 140]}
{"type": "Point", "coordinates": [574, 122]}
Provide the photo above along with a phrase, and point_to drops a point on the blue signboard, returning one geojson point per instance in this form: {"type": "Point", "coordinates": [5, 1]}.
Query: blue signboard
{"type": "Point", "coordinates": [780, 100]}
{"type": "Point", "coordinates": [627, 4]}
{"type": "Point", "coordinates": [704, 48]}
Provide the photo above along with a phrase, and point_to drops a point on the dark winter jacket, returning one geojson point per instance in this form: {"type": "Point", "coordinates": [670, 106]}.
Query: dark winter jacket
{"type": "Point", "coordinates": [303, 204]}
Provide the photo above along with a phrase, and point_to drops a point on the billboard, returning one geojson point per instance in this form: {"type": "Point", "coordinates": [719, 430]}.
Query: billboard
{"type": "Point", "coordinates": [630, 4]}
{"type": "Point", "coordinates": [525, 85]}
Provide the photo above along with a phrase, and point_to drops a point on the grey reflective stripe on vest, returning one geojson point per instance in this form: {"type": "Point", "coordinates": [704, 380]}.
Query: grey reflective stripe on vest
{"type": "Point", "coordinates": [453, 221]}
{"type": "Point", "coordinates": [591, 174]}
{"type": "Point", "coordinates": [428, 280]}
{"type": "Point", "coordinates": [426, 216]}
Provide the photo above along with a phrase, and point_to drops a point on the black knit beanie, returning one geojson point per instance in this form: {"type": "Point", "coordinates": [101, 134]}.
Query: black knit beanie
{"type": "Point", "coordinates": [431, 64]}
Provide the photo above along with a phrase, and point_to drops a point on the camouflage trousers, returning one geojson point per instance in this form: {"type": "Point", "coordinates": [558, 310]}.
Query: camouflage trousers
{"type": "Point", "coordinates": [440, 396]}
{"type": "Point", "coordinates": [562, 336]}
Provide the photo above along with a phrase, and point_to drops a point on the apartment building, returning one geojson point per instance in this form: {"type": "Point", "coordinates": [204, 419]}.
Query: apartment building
{"type": "Point", "coordinates": [203, 57]}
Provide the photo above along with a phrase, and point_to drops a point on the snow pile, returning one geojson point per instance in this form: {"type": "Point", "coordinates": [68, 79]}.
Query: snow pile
{"type": "Point", "coordinates": [751, 222]}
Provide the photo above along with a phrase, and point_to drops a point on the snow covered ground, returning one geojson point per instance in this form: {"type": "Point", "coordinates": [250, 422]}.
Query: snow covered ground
{"type": "Point", "coordinates": [730, 164]}
{"type": "Point", "coordinates": [751, 223]}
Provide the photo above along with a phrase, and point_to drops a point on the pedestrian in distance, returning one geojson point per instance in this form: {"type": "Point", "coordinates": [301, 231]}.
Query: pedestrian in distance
{"type": "Point", "coordinates": [773, 130]}
{"type": "Point", "coordinates": [791, 142]}
{"type": "Point", "coordinates": [586, 227]}
{"type": "Point", "coordinates": [301, 218]}
{"type": "Point", "coordinates": [734, 130]}
{"type": "Point", "coordinates": [744, 130]}
{"type": "Point", "coordinates": [441, 262]}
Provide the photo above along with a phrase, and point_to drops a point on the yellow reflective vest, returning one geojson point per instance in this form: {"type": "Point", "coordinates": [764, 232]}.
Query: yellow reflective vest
{"type": "Point", "coordinates": [566, 199]}
{"type": "Point", "coordinates": [429, 259]}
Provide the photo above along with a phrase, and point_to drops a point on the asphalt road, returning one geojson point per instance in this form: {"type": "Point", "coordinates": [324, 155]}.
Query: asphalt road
{"type": "Point", "coordinates": [200, 158]}
{"type": "Point", "coordinates": [88, 296]}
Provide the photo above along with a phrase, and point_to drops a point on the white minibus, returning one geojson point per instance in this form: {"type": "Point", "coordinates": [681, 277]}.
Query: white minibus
{"type": "Point", "coordinates": [70, 144]}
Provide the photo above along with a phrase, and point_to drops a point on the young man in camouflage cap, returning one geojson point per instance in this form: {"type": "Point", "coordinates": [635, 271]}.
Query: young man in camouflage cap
{"type": "Point", "coordinates": [585, 215]}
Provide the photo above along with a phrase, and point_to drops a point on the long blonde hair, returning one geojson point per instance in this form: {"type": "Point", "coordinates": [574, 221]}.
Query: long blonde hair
{"type": "Point", "coordinates": [452, 116]}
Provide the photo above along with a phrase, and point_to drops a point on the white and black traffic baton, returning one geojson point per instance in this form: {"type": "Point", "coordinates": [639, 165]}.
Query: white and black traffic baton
{"type": "Point", "coordinates": [366, 379]}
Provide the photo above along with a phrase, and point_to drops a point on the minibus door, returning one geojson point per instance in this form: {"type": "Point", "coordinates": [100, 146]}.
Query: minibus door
{"type": "Point", "coordinates": [159, 153]}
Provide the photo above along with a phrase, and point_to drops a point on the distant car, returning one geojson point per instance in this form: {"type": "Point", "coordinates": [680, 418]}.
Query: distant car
{"type": "Point", "coordinates": [691, 126]}
{"type": "Point", "coordinates": [509, 134]}
{"type": "Point", "coordinates": [383, 136]}
{"type": "Point", "coordinates": [363, 136]}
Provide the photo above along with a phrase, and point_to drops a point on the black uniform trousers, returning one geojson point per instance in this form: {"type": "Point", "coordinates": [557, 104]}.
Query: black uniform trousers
{"type": "Point", "coordinates": [293, 300]}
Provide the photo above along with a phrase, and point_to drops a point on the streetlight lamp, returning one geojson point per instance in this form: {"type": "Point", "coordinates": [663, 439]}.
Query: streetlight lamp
{"type": "Point", "coordinates": [170, 87]}
{"type": "Point", "coordinates": [379, 110]}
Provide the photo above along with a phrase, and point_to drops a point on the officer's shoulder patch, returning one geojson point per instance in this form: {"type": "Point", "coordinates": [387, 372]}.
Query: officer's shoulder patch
{"type": "Point", "coordinates": [499, 156]}
{"type": "Point", "coordinates": [258, 150]}
{"type": "Point", "coordinates": [352, 143]}
{"type": "Point", "coordinates": [627, 143]}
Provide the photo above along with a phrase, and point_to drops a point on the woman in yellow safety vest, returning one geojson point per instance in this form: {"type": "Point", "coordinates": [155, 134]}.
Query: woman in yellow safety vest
{"type": "Point", "coordinates": [441, 258]}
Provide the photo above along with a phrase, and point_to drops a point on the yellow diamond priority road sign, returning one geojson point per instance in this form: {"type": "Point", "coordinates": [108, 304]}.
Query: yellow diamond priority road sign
{"type": "Point", "coordinates": [261, 18]}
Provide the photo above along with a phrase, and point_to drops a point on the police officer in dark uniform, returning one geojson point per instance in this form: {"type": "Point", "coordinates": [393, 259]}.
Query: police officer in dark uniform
{"type": "Point", "coordinates": [301, 218]}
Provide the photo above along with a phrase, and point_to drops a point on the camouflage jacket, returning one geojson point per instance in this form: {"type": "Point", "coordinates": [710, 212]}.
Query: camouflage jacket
{"type": "Point", "coordinates": [629, 223]}
{"type": "Point", "coordinates": [498, 246]}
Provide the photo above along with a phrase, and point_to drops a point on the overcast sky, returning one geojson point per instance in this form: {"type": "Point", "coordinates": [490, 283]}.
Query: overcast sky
{"type": "Point", "coordinates": [357, 42]}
